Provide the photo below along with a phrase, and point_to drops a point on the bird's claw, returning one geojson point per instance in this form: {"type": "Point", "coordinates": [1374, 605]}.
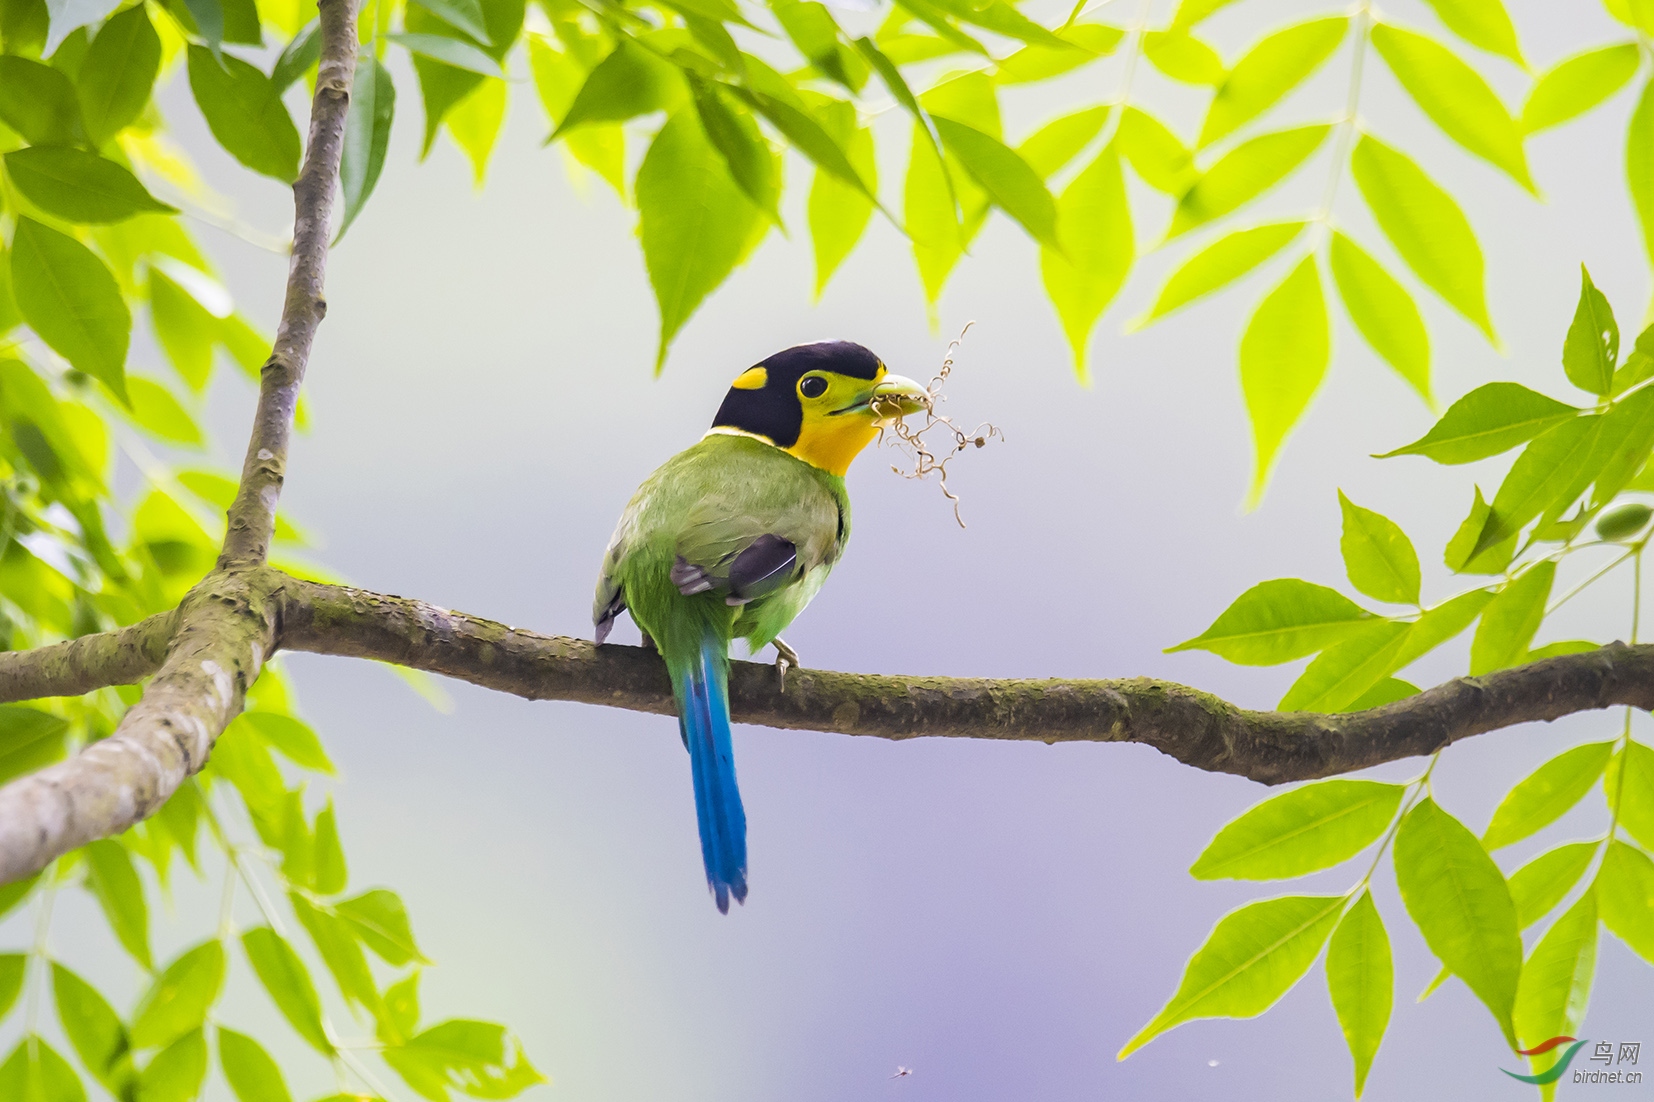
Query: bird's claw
{"type": "Point", "coordinates": [785, 657]}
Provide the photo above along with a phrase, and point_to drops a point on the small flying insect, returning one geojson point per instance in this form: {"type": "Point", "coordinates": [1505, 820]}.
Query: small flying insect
{"type": "Point", "coordinates": [901, 1072]}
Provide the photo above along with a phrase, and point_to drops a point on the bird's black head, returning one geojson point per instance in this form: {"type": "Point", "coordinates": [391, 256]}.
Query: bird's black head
{"type": "Point", "coordinates": [768, 399]}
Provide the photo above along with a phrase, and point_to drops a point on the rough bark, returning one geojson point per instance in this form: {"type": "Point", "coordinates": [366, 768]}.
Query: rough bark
{"type": "Point", "coordinates": [89, 662]}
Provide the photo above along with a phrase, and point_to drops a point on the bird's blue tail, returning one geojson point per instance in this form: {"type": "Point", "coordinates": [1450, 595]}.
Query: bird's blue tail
{"type": "Point", "coordinates": [703, 718]}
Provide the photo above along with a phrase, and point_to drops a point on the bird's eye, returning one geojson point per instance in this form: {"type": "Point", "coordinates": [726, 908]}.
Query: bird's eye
{"type": "Point", "coordinates": [812, 386]}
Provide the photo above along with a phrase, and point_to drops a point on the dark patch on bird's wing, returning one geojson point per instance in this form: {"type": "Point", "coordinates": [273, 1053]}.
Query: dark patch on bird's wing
{"type": "Point", "coordinates": [763, 566]}
{"type": "Point", "coordinates": [610, 612]}
{"type": "Point", "coordinates": [691, 579]}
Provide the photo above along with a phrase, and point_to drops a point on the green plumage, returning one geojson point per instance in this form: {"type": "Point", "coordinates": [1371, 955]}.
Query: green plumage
{"type": "Point", "coordinates": [706, 505]}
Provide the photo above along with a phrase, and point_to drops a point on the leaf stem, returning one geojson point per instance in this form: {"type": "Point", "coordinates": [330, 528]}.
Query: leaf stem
{"type": "Point", "coordinates": [38, 956]}
{"type": "Point", "coordinates": [1347, 124]}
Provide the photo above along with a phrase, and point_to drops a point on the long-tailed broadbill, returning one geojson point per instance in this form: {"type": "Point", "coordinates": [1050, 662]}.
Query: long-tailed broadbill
{"type": "Point", "coordinates": [732, 537]}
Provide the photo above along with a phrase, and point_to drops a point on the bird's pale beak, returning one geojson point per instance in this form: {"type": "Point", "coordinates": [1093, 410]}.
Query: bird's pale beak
{"type": "Point", "coordinates": [896, 396]}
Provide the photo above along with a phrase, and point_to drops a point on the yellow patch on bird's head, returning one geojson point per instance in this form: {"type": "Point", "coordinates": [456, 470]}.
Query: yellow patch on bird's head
{"type": "Point", "coordinates": [817, 402]}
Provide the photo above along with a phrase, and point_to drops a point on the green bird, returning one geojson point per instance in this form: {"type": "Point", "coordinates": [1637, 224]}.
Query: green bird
{"type": "Point", "coordinates": [732, 537]}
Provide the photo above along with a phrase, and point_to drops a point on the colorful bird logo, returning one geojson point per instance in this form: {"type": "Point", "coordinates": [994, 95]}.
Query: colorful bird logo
{"type": "Point", "coordinates": [1555, 1071]}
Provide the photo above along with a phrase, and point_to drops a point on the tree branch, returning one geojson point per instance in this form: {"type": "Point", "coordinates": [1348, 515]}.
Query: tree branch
{"type": "Point", "coordinates": [90, 662]}
{"type": "Point", "coordinates": [1194, 727]}
{"type": "Point", "coordinates": [227, 625]}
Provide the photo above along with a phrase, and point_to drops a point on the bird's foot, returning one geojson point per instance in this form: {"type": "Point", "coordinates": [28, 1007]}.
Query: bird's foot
{"type": "Point", "coordinates": [785, 656]}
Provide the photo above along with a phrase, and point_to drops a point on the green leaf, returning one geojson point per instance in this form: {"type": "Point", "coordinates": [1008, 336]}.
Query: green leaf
{"type": "Point", "coordinates": [1564, 647]}
{"type": "Point", "coordinates": [1624, 890]}
{"type": "Point", "coordinates": [117, 73]}
{"type": "Point", "coordinates": [378, 918]}
{"type": "Point", "coordinates": [1383, 312]}
{"type": "Point", "coordinates": [695, 223]}
{"type": "Point", "coordinates": [1001, 18]}
{"type": "Point", "coordinates": [114, 882]}
{"type": "Point", "coordinates": [12, 967]}
{"type": "Point", "coordinates": [1050, 148]}
{"type": "Point", "coordinates": [749, 158]}
{"type": "Point", "coordinates": [479, 1058]}
{"type": "Point", "coordinates": [1097, 248]}
{"type": "Point", "coordinates": [1190, 12]}
{"type": "Point", "coordinates": [475, 121]}
{"type": "Point", "coordinates": [337, 944]}
{"type": "Point", "coordinates": [1482, 23]}
{"type": "Point", "coordinates": [1538, 886]}
{"type": "Point", "coordinates": [71, 300]}
{"type": "Point", "coordinates": [178, 1001]}
{"type": "Point", "coordinates": [1378, 555]}
{"type": "Point", "coordinates": [937, 20]}
{"type": "Point", "coordinates": [1183, 57]}
{"type": "Point", "coordinates": [34, 1072]}
{"type": "Point", "coordinates": [1268, 71]}
{"type": "Point", "coordinates": [251, 1073]}
{"type": "Point", "coordinates": [1425, 225]}
{"type": "Point", "coordinates": [1032, 63]}
{"type": "Point", "coordinates": [244, 111]}
{"type": "Point", "coordinates": [1630, 783]}
{"type": "Point", "coordinates": [1552, 471]}
{"type": "Point", "coordinates": [1345, 672]}
{"type": "Point", "coordinates": [1155, 153]}
{"type": "Point", "coordinates": [293, 739]}
{"type": "Point", "coordinates": [838, 212]}
{"type": "Point", "coordinates": [932, 217]}
{"type": "Point", "coordinates": [1458, 898]}
{"type": "Point", "coordinates": [1574, 86]}
{"type": "Point", "coordinates": [1441, 623]}
{"type": "Point", "coordinates": [1547, 793]}
{"type": "Point", "coordinates": [1626, 441]}
{"type": "Point", "coordinates": [1511, 619]}
{"type": "Point", "coordinates": [300, 54]}
{"type": "Point", "coordinates": [29, 739]}
{"type": "Point", "coordinates": [1387, 691]}
{"type": "Point", "coordinates": [186, 331]}
{"type": "Point", "coordinates": [1556, 980]}
{"type": "Point", "coordinates": [1277, 621]}
{"type": "Point", "coordinates": [1491, 419]}
{"type": "Point", "coordinates": [1639, 163]}
{"type": "Point", "coordinates": [1455, 97]}
{"type": "Point", "coordinates": [367, 136]}
{"type": "Point", "coordinates": [1244, 173]}
{"type": "Point", "coordinates": [1361, 982]}
{"type": "Point", "coordinates": [39, 102]}
{"type": "Point", "coordinates": [1458, 555]}
{"type": "Point", "coordinates": [455, 52]}
{"type": "Point", "coordinates": [1013, 186]}
{"type": "Point", "coordinates": [1315, 826]}
{"type": "Point", "coordinates": [1220, 264]}
{"type": "Point", "coordinates": [899, 90]}
{"type": "Point", "coordinates": [624, 85]}
{"type": "Point", "coordinates": [1283, 358]}
{"type": "Point", "coordinates": [94, 1031]}
{"type": "Point", "coordinates": [176, 1073]}
{"type": "Point", "coordinates": [330, 872]}
{"type": "Point", "coordinates": [203, 17]}
{"type": "Point", "coordinates": [1251, 958]}
{"type": "Point", "coordinates": [401, 1017]}
{"type": "Point", "coordinates": [463, 15]}
{"type": "Point", "coordinates": [158, 413]}
{"type": "Point", "coordinates": [1592, 348]}
{"type": "Point", "coordinates": [288, 981]}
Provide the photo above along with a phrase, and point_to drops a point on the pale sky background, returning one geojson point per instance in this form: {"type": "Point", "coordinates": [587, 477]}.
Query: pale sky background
{"type": "Point", "coordinates": [999, 917]}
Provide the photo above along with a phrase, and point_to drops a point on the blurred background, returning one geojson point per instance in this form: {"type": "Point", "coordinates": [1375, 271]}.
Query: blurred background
{"type": "Point", "coordinates": [999, 918]}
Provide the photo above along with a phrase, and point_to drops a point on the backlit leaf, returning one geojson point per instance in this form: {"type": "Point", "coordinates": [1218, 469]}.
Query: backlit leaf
{"type": "Point", "coordinates": [463, 15]}
{"type": "Point", "coordinates": [1458, 898]}
{"type": "Point", "coordinates": [1511, 619]}
{"type": "Point", "coordinates": [1094, 229]}
{"type": "Point", "coordinates": [367, 136]}
{"type": "Point", "coordinates": [1361, 982]}
{"type": "Point", "coordinates": [1383, 312]}
{"type": "Point", "coordinates": [1630, 784]}
{"type": "Point", "coordinates": [1592, 349]}
{"type": "Point", "coordinates": [1155, 153]}
{"type": "Point", "coordinates": [1547, 793]}
{"type": "Point", "coordinates": [1221, 263]}
{"type": "Point", "coordinates": [1639, 164]}
{"type": "Point", "coordinates": [1425, 225]}
{"type": "Point", "coordinates": [1183, 57]}
{"type": "Point", "coordinates": [1268, 71]}
{"type": "Point", "coordinates": [1283, 358]}
{"type": "Point", "coordinates": [1574, 86]}
{"type": "Point", "coordinates": [12, 966]}
{"type": "Point", "coordinates": [449, 51]}
{"type": "Point", "coordinates": [838, 212]}
{"type": "Point", "coordinates": [330, 872]}
{"type": "Point", "coordinates": [1493, 418]}
{"type": "Point", "coordinates": [1378, 556]}
{"type": "Point", "coordinates": [71, 300]}
{"type": "Point", "coordinates": [1556, 980]}
{"type": "Point", "coordinates": [34, 1072]}
{"type": "Point", "coordinates": [378, 918]}
{"type": "Point", "coordinates": [114, 882]}
{"type": "Point", "coordinates": [1346, 671]}
{"type": "Point", "coordinates": [1244, 173]}
{"type": "Point", "coordinates": [1482, 23]}
{"type": "Point", "coordinates": [624, 85]}
{"type": "Point", "coordinates": [336, 942]}
{"type": "Point", "coordinates": [479, 1058]}
{"type": "Point", "coordinates": [245, 113]}
{"type": "Point", "coordinates": [475, 121]}
{"type": "Point", "coordinates": [176, 1073]}
{"type": "Point", "coordinates": [288, 982]}
{"type": "Point", "coordinates": [1538, 886]}
{"type": "Point", "coordinates": [1251, 958]}
{"type": "Point", "coordinates": [178, 1001]}
{"type": "Point", "coordinates": [158, 413]}
{"type": "Point", "coordinates": [1455, 97]}
{"type": "Point", "coordinates": [39, 102]}
{"type": "Point", "coordinates": [292, 738]}
{"type": "Point", "coordinates": [94, 1031]}
{"type": "Point", "coordinates": [694, 222]}
{"type": "Point", "coordinates": [184, 328]}
{"type": "Point", "coordinates": [1014, 187]}
{"type": "Point", "coordinates": [1315, 826]}
{"type": "Point", "coordinates": [251, 1073]}
{"type": "Point", "coordinates": [117, 73]}
{"type": "Point", "coordinates": [1277, 621]}
{"type": "Point", "coordinates": [1555, 463]}
{"type": "Point", "coordinates": [1624, 889]}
